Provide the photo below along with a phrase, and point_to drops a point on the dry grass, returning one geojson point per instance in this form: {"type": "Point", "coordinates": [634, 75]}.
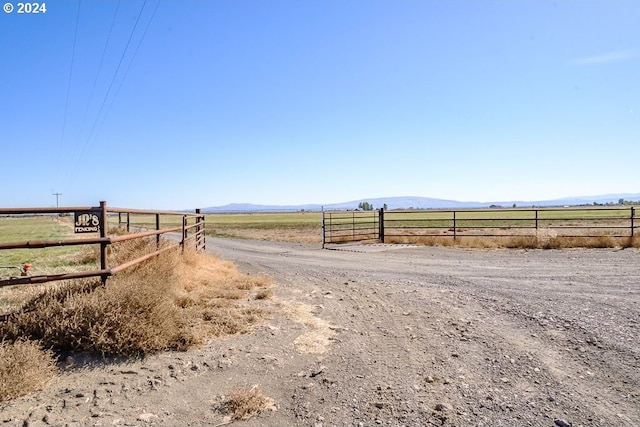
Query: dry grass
{"type": "Point", "coordinates": [24, 368]}
{"type": "Point", "coordinates": [245, 402]}
{"type": "Point", "coordinates": [593, 242]}
{"type": "Point", "coordinates": [171, 302]}
{"type": "Point", "coordinates": [133, 315]}
{"type": "Point", "coordinates": [519, 242]}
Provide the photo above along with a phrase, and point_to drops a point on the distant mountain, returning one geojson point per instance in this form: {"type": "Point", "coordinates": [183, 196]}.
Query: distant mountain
{"type": "Point", "coordinates": [408, 203]}
{"type": "Point", "coordinates": [423, 203]}
{"type": "Point", "coordinates": [249, 207]}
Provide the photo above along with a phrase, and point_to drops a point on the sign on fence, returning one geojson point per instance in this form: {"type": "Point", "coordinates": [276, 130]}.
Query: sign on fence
{"type": "Point", "coordinates": [86, 222]}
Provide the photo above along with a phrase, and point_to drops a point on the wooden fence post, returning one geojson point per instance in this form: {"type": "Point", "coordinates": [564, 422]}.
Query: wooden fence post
{"type": "Point", "coordinates": [633, 214]}
{"type": "Point", "coordinates": [103, 245]}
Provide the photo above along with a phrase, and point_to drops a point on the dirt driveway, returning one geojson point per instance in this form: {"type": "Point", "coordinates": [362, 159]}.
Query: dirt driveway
{"type": "Point", "coordinates": [379, 335]}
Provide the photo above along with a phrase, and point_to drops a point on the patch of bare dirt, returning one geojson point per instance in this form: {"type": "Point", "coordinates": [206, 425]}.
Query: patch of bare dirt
{"type": "Point", "coordinates": [416, 336]}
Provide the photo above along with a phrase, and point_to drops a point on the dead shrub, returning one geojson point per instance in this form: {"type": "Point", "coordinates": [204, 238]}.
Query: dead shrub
{"type": "Point", "coordinates": [168, 302]}
{"type": "Point", "coordinates": [520, 242]}
{"type": "Point", "coordinates": [134, 315]}
{"type": "Point", "coordinates": [476, 242]}
{"type": "Point", "coordinates": [229, 320]}
{"type": "Point", "coordinates": [24, 368]}
{"type": "Point", "coordinates": [561, 242]}
{"type": "Point", "coordinates": [243, 403]}
{"type": "Point", "coordinates": [422, 240]}
{"type": "Point", "coordinates": [264, 294]}
{"type": "Point", "coordinates": [223, 321]}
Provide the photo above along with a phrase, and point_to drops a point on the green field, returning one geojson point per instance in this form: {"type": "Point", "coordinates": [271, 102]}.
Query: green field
{"type": "Point", "coordinates": [44, 260]}
{"type": "Point", "coordinates": [52, 260]}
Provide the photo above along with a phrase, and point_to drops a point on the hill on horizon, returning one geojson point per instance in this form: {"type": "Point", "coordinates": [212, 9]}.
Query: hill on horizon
{"type": "Point", "coordinates": [415, 202]}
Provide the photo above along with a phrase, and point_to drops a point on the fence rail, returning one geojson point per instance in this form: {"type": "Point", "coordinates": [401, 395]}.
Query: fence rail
{"type": "Point", "coordinates": [587, 222]}
{"type": "Point", "coordinates": [190, 233]}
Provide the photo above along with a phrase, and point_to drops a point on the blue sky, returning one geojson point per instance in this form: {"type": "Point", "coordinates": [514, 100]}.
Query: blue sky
{"type": "Point", "coordinates": [183, 104]}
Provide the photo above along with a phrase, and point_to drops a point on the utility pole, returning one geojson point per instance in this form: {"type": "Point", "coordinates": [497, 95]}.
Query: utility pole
{"type": "Point", "coordinates": [57, 194]}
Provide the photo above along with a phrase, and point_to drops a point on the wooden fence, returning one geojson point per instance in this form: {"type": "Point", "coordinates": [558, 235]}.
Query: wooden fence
{"type": "Point", "coordinates": [191, 230]}
{"type": "Point", "coordinates": [390, 226]}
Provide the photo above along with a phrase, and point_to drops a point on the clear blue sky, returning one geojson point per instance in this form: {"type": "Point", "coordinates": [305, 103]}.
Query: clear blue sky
{"type": "Point", "coordinates": [204, 103]}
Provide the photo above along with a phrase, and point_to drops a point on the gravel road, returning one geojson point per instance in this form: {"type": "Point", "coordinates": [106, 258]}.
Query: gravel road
{"type": "Point", "coordinates": [392, 336]}
{"type": "Point", "coordinates": [444, 336]}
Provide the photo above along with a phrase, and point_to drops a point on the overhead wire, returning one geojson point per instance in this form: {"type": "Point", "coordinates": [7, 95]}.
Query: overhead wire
{"type": "Point", "coordinates": [106, 96]}
{"type": "Point", "coordinates": [95, 81]}
{"type": "Point", "coordinates": [133, 57]}
{"type": "Point", "coordinates": [66, 102]}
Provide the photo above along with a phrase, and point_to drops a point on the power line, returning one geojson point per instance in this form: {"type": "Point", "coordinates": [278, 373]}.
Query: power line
{"type": "Point", "coordinates": [95, 81]}
{"type": "Point", "coordinates": [104, 100]}
{"type": "Point", "coordinates": [66, 103]}
{"type": "Point", "coordinates": [133, 57]}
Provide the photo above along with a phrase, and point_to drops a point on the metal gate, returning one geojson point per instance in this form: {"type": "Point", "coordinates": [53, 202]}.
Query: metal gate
{"type": "Point", "coordinates": [351, 226]}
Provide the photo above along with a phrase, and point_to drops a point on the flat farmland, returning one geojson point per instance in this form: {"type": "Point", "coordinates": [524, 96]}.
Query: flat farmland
{"type": "Point", "coordinates": [302, 227]}
{"type": "Point", "coordinates": [306, 227]}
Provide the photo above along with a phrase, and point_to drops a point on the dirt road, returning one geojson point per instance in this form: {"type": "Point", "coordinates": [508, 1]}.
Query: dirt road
{"type": "Point", "coordinates": [379, 335]}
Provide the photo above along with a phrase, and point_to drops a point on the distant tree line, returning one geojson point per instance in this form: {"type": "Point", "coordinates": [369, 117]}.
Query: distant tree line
{"type": "Point", "coordinates": [623, 202]}
{"type": "Point", "coordinates": [365, 206]}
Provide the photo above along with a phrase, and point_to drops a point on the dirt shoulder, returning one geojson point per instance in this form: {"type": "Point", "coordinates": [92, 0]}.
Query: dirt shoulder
{"type": "Point", "coordinates": [383, 335]}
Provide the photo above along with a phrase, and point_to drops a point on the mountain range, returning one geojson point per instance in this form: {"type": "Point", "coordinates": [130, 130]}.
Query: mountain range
{"type": "Point", "coordinates": [424, 203]}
